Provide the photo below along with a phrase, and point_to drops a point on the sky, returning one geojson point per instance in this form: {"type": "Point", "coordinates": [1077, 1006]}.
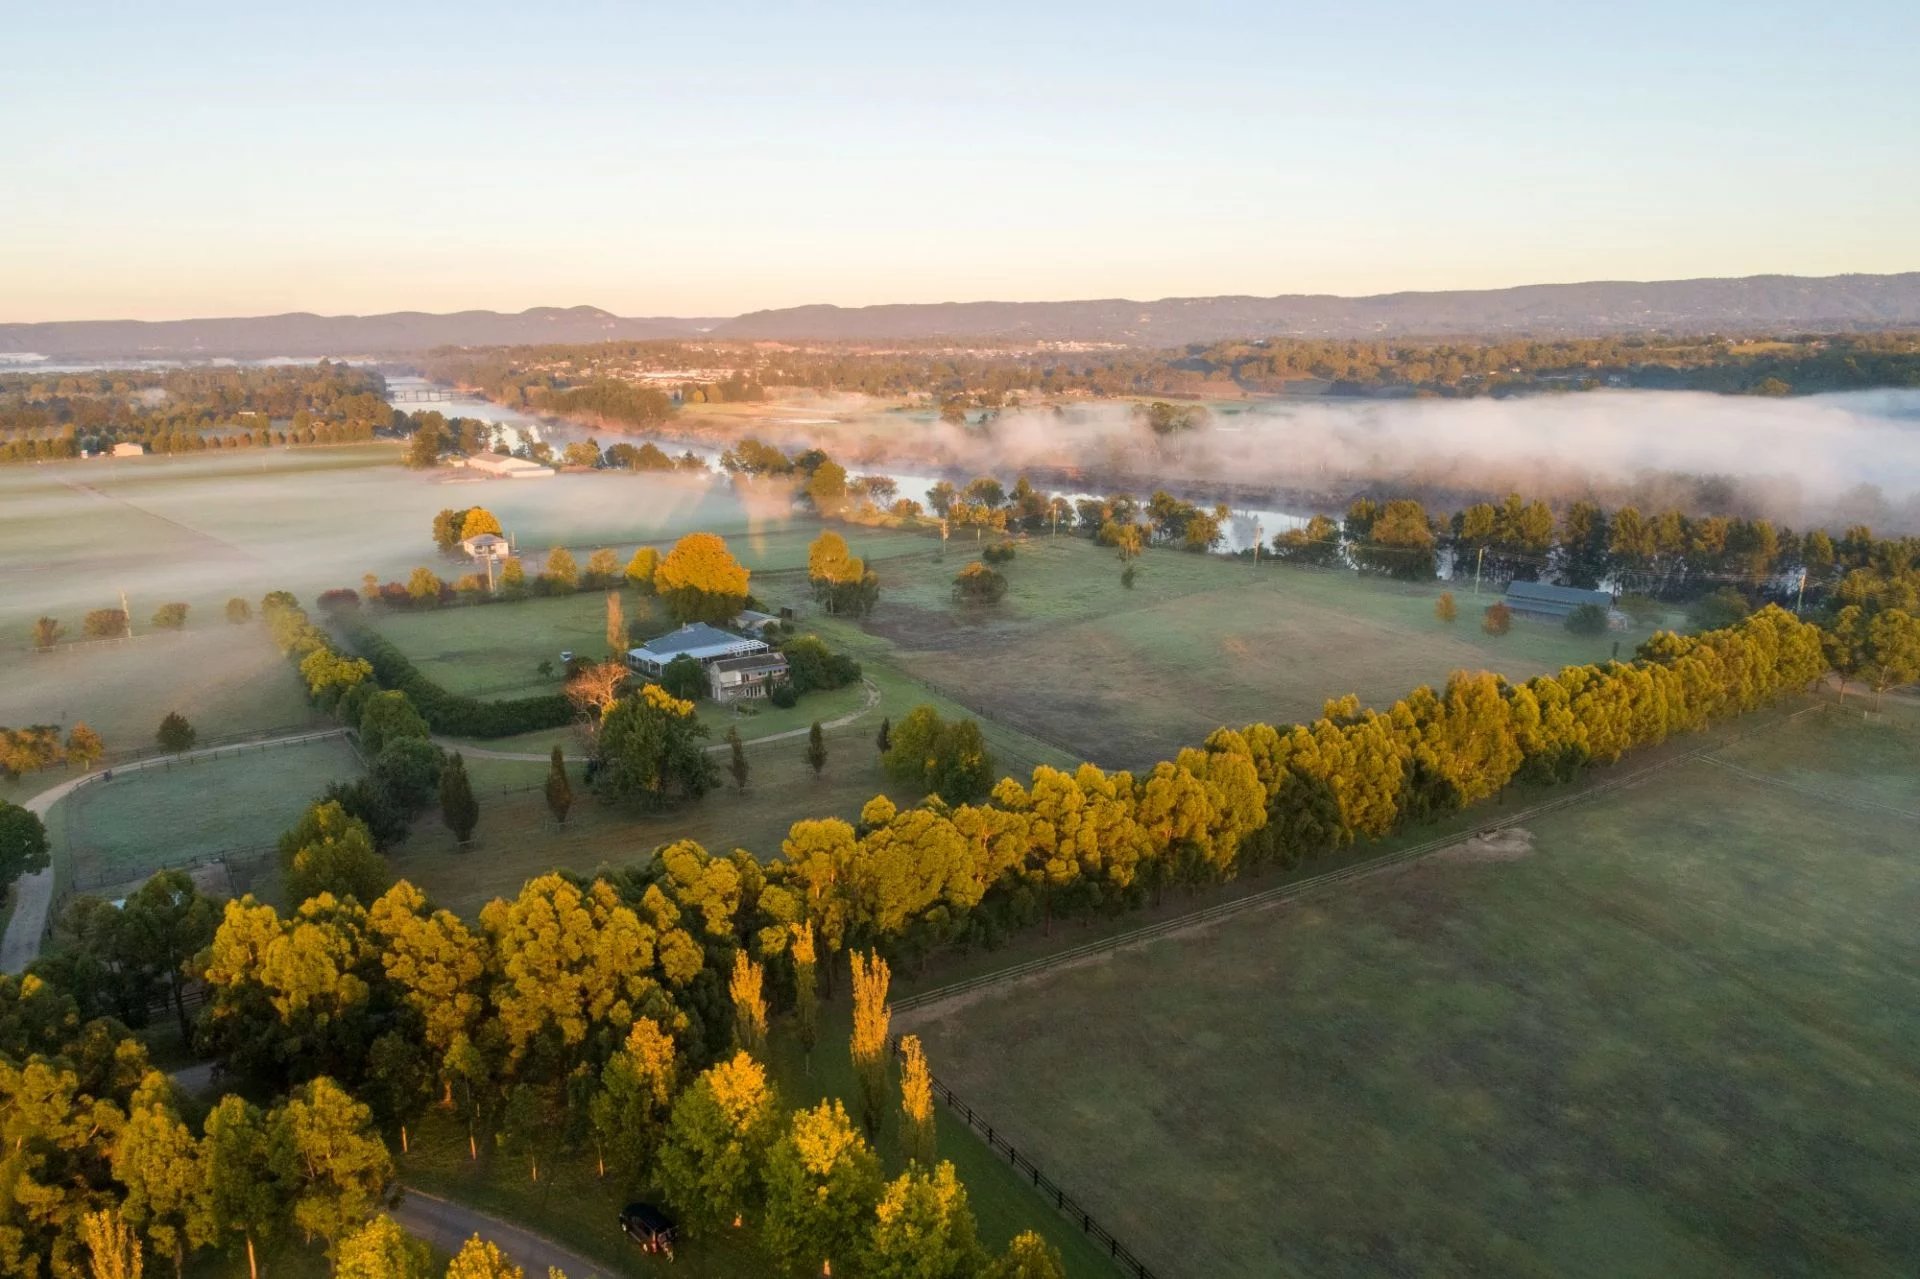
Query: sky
{"type": "Point", "coordinates": [192, 159]}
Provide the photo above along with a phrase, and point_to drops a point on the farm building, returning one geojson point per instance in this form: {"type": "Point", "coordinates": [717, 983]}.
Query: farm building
{"type": "Point", "coordinates": [754, 621]}
{"type": "Point", "coordinates": [1553, 603]}
{"type": "Point", "coordinates": [127, 449]}
{"type": "Point", "coordinates": [486, 546]}
{"type": "Point", "coordinates": [739, 679]}
{"type": "Point", "coordinates": [703, 643]}
{"type": "Point", "coordinates": [510, 468]}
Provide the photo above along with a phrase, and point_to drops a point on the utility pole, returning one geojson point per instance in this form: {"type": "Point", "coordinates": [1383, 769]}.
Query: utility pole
{"type": "Point", "coordinates": [1800, 595]}
{"type": "Point", "coordinates": [1478, 560]}
{"type": "Point", "coordinates": [126, 611]}
{"type": "Point", "coordinates": [1258, 533]}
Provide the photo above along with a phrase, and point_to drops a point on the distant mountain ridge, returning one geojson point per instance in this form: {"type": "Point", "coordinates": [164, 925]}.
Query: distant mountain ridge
{"type": "Point", "coordinates": [304, 334]}
{"type": "Point", "coordinates": [1545, 310]}
{"type": "Point", "coordinates": [1752, 303]}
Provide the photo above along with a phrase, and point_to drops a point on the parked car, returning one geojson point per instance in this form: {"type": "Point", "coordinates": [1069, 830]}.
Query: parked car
{"type": "Point", "coordinates": [647, 1226]}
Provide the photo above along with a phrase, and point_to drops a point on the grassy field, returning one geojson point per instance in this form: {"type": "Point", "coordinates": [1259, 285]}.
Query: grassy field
{"type": "Point", "coordinates": [224, 679]}
{"type": "Point", "coordinates": [1125, 677]}
{"type": "Point", "coordinates": [118, 832]}
{"type": "Point", "coordinates": [1674, 1038]}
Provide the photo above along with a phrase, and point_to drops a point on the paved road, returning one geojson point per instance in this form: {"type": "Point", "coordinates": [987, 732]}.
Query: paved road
{"type": "Point", "coordinates": [34, 893]}
{"type": "Point", "coordinates": [446, 1224]}
{"type": "Point", "coordinates": [873, 700]}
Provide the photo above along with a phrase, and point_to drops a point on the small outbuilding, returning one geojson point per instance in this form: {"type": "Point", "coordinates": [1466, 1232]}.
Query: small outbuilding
{"type": "Point", "coordinates": [127, 448]}
{"type": "Point", "coordinates": [509, 468]}
{"type": "Point", "coordinates": [486, 546]}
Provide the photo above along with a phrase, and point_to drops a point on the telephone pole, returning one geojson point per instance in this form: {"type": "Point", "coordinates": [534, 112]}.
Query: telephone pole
{"type": "Point", "coordinates": [1478, 560]}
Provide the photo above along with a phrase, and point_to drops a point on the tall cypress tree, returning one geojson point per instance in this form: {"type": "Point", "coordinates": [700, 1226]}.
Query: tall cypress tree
{"type": "Point", "coordinates": [559, 789]}
{"type": "Point", "coordinates": [737, 762]}
{"type": "Point", "coordinates": [816, 749]}
{"type": "Point", "coordinates": [457, 806]}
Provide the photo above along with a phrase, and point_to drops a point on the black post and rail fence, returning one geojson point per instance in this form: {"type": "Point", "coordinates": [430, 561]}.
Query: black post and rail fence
{"type": "Point", "coordinates": [1048, 1188]}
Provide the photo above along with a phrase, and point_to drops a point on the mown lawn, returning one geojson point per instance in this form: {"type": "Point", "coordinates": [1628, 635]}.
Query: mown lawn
{"type": "Point", "coordinates": [113, 833]}
{"type": "Point", "coordinates": [1676, 1038]}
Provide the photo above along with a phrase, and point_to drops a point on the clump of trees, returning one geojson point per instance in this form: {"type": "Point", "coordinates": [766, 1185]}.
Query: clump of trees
{"type": "Point", "coordinates": [979, 585]}
{"type": "Point", "coordinates": [840, 579]}
{"type": "Point", "coordinates": [700, 581]}
{"type": "Point", "coordinates": [948, 759]}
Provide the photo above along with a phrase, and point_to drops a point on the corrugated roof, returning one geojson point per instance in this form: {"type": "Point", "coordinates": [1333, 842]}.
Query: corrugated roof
{"type": "Point", "coordinates": [1548, 593]}
{"type": "Point", "coordinates": [699, 640]}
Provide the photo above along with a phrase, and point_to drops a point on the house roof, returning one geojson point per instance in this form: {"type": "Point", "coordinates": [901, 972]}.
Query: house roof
{"type": "Point", "coordinates": [1563, 596]}
{"type": "Point", "coordinates": [752, 662]}
{"type": "Point", "coordinates": [698, 641]}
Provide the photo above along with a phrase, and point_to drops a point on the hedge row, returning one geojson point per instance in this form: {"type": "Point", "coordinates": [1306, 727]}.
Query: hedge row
{"type": "Point", "coordinates": [454, 714]}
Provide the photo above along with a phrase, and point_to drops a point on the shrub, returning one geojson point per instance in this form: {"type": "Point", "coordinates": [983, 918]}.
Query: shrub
{"type": "Point", "coordinates": [783, 695]}
{"type": "Point", "coordinates": [1497, 620]}
{"type": "Point", "coordinates": [105, 623]}
{"type": "Point", "coordinates": [176, 735]}
{"type": "Point", "coordinates": [812, 665]}
{"type": "Point", "coordinates": [1588, 619]}
{"type": "Point", "coordinates": [978, 584]}
{"type": "Point", "coordinates": [239, 612]}
{"type": "Point", "coordinates": [999, 553]}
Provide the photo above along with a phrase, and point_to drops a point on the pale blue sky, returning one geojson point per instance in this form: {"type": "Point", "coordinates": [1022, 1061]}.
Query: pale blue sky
{"type": "Point", "coordinates": [175, 159]}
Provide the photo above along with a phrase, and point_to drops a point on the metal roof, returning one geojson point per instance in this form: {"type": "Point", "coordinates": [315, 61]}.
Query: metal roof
{"type": "Point", "coordinates": [1548, 593]}
{"type": "Point", "coordinates": [699, 641]}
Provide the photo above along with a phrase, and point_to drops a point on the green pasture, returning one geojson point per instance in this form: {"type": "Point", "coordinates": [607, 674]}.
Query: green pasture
{"type": "Point", "coordinates": [1675, 1038]}
{"type": "Point", "coordinates": [1127, 676]}
{"type": "Point", "coordinates": [224, 679]}
{"type": "Point", "coordinates": [173, 812]}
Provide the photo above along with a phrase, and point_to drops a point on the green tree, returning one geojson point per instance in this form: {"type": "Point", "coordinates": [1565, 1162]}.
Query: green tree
{"type": "Point", "coordinates": [883, 740]}
{"type": "Point", "coordinates": [1445, 609]}
{"type": "Point", "coordinates": [245, 1197]}
{"type": "Point", "coordinates": [1588, 619]}
{"type": "Point", "coordinates": [513, 579]}
{"type": "Point", "coordinates": [113, 1246]}
{"type": "Point", "coordinates": [685, 678]}
{"type": "Point", "coordinates": [239, 612]}
{"type": "Point", "coordinates": [701, 581]}
{"type": "Point", "coordinates": [749, 1006]}
{"type": "Point", "coordinates": [166, 923]}
{"type": "Point", "coordinates": [322, 1147]}
{"type": "Point", "coordinates": [1721, 609]}
{"type": "Point", "coordinates": [330, 852]}
{"type": "Point", "coordinates": [629, 1112]}
{"type": "Point", "coordinates": [106, 623]}
{"type": "Point", "coordinates": [407, 773]}
{"type": "Point", "coordinates": [1128, 575]}
{"type": "Point", "coordinates": [1028, 1256]}
{"type": "Point", "coordinates": [559, 789]}
{"type": "Point", "coordinates": [479, 1259]}
{"type": "Point", "coordinates": [616, 626]}
{"type": "Point", "coordinates": [170, 617]}
{"type": "Point", "coordinates": [176, 735]}
{"type": "Point", "coordinates": [1497, 620]}
{"type": "Point", "coordinates": [603, 570]}
{"type": "Point", "coordinates": [158, 1161]}
{"type": "Point", "coordinates": [457, 805]}
{"type": "Point", "coordinates": [816, 749]}
{"type": "Point", "coordinates": [382, 1250]}
{"type": "Point", "coordinates": [387, 717]}
{"type": "Point", "coordinates": [650, 751]}
{"type": "Point", "coordinates": [737, 758]}
{"type": "Point", "coordinates": [822, 1183]}
{"type": "Point", "coordinates": [916, 1102]}
{"type": "Point", "coordinates": [47, 632]}
{"type": "Point", "coordinates": [23, 843]}
{"type": "Point", "coordinates": [924, 1229]}
{"type": "Point", "coordinates": [716, 1144]}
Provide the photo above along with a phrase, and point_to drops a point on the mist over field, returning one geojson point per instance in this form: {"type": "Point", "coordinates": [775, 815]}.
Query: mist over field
{"type": "Point", "coordinates": [1824, 459]}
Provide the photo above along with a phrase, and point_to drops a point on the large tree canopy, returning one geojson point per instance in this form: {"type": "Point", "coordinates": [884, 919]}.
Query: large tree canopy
{"type": "Point", "coordinates": [701, 581]}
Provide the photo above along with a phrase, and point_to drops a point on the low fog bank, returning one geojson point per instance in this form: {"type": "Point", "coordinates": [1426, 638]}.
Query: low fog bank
{"type": "Point", "coordinates": [1821, 459]}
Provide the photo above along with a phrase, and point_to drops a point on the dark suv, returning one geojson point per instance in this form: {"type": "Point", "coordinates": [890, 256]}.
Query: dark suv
{"type": "Point", "coordinates": [647, 1226]}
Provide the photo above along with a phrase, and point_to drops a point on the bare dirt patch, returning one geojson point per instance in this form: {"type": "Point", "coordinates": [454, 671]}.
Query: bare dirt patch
{"type": "Point", "coordinates": [1508, 844]}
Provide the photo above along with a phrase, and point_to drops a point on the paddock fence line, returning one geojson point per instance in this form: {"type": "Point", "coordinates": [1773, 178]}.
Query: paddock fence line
{"type": "Point", "coordinates": [1314, 885]}
{"type": "Point", "coordinates": [1049, 1189]}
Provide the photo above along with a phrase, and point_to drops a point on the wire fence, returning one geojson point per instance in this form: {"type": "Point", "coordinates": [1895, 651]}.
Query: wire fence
{"type": "Point", "coordinates": [1049, 1189]}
